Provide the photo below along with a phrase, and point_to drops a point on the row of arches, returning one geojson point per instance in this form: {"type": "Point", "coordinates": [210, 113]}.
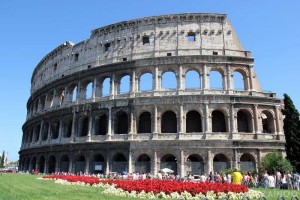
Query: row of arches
{"type": "Point", "coordinates": [194, 163]}
{"type": "Point", "coordinates": [99, 124]}
{"type": "Point", "coordinates": [144, 81]}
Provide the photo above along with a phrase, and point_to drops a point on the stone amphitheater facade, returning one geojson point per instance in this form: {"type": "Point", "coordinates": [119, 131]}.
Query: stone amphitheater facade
{"type": "Point", "coordinates": [74, 125]}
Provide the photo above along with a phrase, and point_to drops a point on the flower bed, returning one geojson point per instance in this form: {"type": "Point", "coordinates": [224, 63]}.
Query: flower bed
{"type": "Point", "coordinates": [161, 188]}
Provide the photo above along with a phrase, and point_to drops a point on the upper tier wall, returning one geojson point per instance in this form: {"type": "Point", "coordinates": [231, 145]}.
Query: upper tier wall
{"type": "Point", "coordinates": [168, 35]}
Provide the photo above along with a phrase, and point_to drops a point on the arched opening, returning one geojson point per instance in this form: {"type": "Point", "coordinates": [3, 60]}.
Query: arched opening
{"type": "Point", "coordinates": [37, 132]}
{"type": "Point", "coordinates": [55, 129]}
{"type": "Point", "coordinates": [119, 163]}
{"type": "Point", "coordinates": [99, 164]}
{"type": "Point", "coordinates": [74, 94]}
{"type": "Point", "coordinates": [169, 81]}
{"type": "Point", "coordinates": [80, 164]}
{"type": "Point", "coordinates": [143, 164]}
{"type": "Point", "coordinates": [193, 122]}
{"type": "Point", "coordinates": [84, 127]}
{"type": "Point", "coordinates": [220, 163]}
{"type": "Point", "coordinates": [238, 81]}
{"type": "Point", "coordinates": [145, 83]}
{"type": "Point", "coordinates": [218, 121]}
{"type": "Point", "coordinates": [101, 125]}
{"type": "Point", "coordinates": [27, 163]}
{"type": "Point", "coordinates": [145, 123]}
{"type": "Point", "coordinates": [192, 80]}
{"type": "Point", "coordinates": [247, 162]}
{"type": "Point", "coordinates": [267, 122]}
{"type": "Point", "coordinates": [195, 164]}
{"type": "Point", "coordinates": [169, 122]}
{"type": "Point", "coordinates": [89, 91]}
{"type": "Point", "coordinates": [64, 163]}
{"type": "Point", "coordinates": [50, 99]}
{"type": "Point", "coordinates": [215, 80]}
{"type": "Point", "coordinates": [122, 123]}
{"type": "Point", "coordinates": [61, 97]}
{"type": "Point", "coordinates": [41, 165]}
{"type": "Point", "coordinates": [125, 84]}
{"type": "Point", "coordinates": [51, 164]}
{"type": "Point", "coordinates": [68, 128]}
{"type": "Point", "coordinates": [169, 161]}
{"type": "Point", "coordinates": [244, 121]}
{"type": "Point", "coordinates": [33, 164]}
{"type": "Point", "coordinates": [45, 131]}
{"type": "Point", "coordinates": [106, 87]}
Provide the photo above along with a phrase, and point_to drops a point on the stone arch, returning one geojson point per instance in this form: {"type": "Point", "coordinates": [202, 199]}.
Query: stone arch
{"type": "Point", "coordinates": [105, 90]}
{"type": "Point", "coordinates": [86, 90]}
{"type": "Point", "coordinates": [247, 162]}
{"type": "Point", "coordinates": [80, 164]}
{"type": "Point", "coordinates": [220, 162]}
{"type": "Point", "coordinates": [240, 79]}
{"type": "Point", "coordinates": [192, 79]}
{"type": "Point", "coordinates": [41, 164]}
{"type": "Point", "coordinates": [143, 164]}
{"type": "Point", "coordinates": [33, 163]}
{"type": "Point", "coordinates": [84, 126]}
{"type": "Point", "coordinates": [169, 81]}
{"type": "Point", "coordinates": [61, 95]}
{"type": "Point", "coordinates": [267, 122]}
{"type": "Point", "coordinates": [27, 164]}
{"type": "Point", "coordinates": [216, 78]}
{"type": "Point", "coordinates": [195, 164]}
{"type": "Point", "coordinates": [67, 126]}
{"type": "Point", "coordinates": [64, 163]}
{"type": "Point", "coordinates": [55, 129]}
{"type": "Point", "coordinates": [146, 82]}
{"type": "Point", "coordinates": [51, 164]}
{"type": "Point", "coordinates": [144, 122]}
{"type": "Point", "coordinates": [169, 122]}
{"type": "Point", "coordinates": [169, 161]}
{"type": "Point", "coordinates": [73, 92]}
{"type": "Point", "coordinates": [193, 122]}
{"type": "Point", "coordinates": [218, 121]}
{"type": "Point", "coordinates": [122, 123]}
{"type": "Point", "coordinates": [124, 84]}
{"type": "Point", "coordinates": [244, 121]}
{"type": "Point", "coordinates": [37, 132]}
{"type": "Point", "coordinates": [50, 98]}
{"type": "Point", "coordinates": [45, 131]}
{"type": "Point", "coordinates": [101, 126]}
{"type": "Point", "coordinates": [119, 163]}
{"type": "Point", "coordinates": [98, 164]}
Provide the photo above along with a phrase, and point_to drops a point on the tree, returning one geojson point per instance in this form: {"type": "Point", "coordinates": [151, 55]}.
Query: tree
{"type": "Point", "coordinates": [2, 160]}
{"type": "Point", "coordinates": [291, 129]}
{"type": "Point", "coordinates": [276, 162]}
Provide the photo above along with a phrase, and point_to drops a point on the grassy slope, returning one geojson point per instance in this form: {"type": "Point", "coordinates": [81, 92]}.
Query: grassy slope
{"type": "Point", "coordinates": [28, 187]}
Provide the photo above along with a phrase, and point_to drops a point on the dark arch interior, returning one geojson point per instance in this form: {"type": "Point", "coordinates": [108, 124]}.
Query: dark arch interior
{"type": "Point", "coordinates": [122, 123]}
{"type": "Point", "coordinates": [193, 122]}
{"type": "Point", "coordinates": [119, 158]}
{"type": "Point", "coordinates": [169, 122]}
{"type": "Point", "coordinates": [145, 123]}
{"type": "Point", "coordinates": [242, 120]}
{"type": "Point", "coordinates": [85, 126]}
{"type": "Point", "coordinates": [51, 164]}
{"type": "Point", "coordinates": [144, 158]}
{"type": "Point", "coordinates": [218, 121]}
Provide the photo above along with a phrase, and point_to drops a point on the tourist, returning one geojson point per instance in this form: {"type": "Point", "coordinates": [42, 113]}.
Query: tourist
{"type": "Point", "coordinates": [237, 177]}
{"type": "Point", "coordinates": [271, 182]}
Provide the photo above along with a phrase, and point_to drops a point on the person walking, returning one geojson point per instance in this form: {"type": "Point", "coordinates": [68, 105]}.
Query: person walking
{"type": "Point", "coordinates": [237, 177]}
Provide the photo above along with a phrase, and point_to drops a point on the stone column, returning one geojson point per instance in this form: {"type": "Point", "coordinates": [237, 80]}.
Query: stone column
{"type": "Point", "coordinates": [132, 84]}
{"type": "Point", "coordinates": [235, 161]}
{"type": "Point", "coordinates": [156, 81]}
{"type": "Point", "coordinates": [41, 131]}
{"type": "Point", "coordinates": [78, 94]}
{"type": "Point", "coordinates": [256, 119]}
{"type": "Point", "coordinates": [112, 87]}
{"type": "Point", "coordinates": [181, 120]}
{"type": "Point", "coordinates": [49, 132]}
{"type": "Point", "coordinates": [279, 131]}
{"type": "Point", "coordinates": [182, 167]}
{"type": "Point", "coordinates": [207, 122]}
{"type": "Point", "coordinates": [155, 123]}
{"type": "Point", "coordinates": [107, 162]}
{"type": "Point", "coordinates": [229, 79]}
{"type": "Point", "coordinates": [109, 131]}
{"type": "Point", "coordinates": [205, 84]}
{"type": "Point", "coordinates": [251, 78]}
{"type": "Point", "coordinates": [155, 168]}
{"type": "Point", "coordinates": [180, 85]}
{"type": "Point", "coordinates": [233, 119]}
{"type": "Point", "coordinates": [90, 131]}
{"type": "Point", "coordinates": [130, 162]}
{"type": "Point", "coordinates": [73, 132]}
{"type": "Point", "coordinates": [94, 89]}
{"type": "Point", "coordinates": [209, 167]}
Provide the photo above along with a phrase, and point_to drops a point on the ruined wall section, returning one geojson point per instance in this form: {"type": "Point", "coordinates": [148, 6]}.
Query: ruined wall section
{"type": "Point", "coordinates": [139, 39]}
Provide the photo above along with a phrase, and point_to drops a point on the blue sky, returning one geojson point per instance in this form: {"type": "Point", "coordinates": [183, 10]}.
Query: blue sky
{"type": "Point", "coordinates": [30, 29]}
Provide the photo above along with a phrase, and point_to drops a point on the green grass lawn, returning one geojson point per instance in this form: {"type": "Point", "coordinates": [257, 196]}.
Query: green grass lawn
{"type": "Point", "coordinates": [23, 187]}
{"type": "Point", "coordinates": [28, 187]}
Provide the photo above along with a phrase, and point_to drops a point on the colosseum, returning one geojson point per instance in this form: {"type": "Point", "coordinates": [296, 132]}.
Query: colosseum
{"type": "Point", "coordinates": [141, 95]}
